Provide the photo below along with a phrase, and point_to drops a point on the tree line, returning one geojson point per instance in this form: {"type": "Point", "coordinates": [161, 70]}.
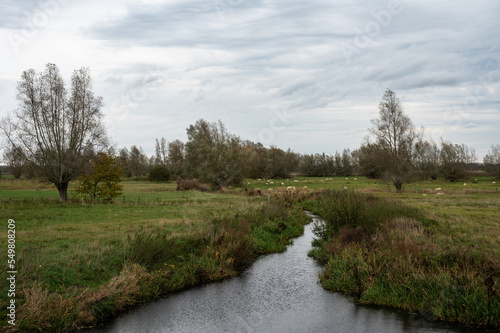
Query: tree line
{"type": "Point", "coordinates": [58, 134]}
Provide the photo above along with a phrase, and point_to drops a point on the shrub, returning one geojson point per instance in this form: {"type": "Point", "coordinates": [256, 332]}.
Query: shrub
{"type": "Point", "coordinates": [159, 174]}
{"type": "Point", "coordinates": [352, 210]}
{"type": "Point", "coordinates": [191, 184]}
{"type": "Point", "coordinates": [103, 179]}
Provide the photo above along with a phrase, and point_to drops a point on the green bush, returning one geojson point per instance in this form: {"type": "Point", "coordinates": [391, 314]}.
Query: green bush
{"type": "Point", "coordinates": [349, 209]}
{"type": "Point", "coordinates": [159, 174]}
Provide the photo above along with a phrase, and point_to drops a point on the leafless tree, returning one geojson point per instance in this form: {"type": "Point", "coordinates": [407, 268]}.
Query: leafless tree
{"type": "Point", "coordinates": [492, 161]}
{"type": "Point", "coordinates": [395, 141]}
{"type": "Point", "coordinates": [15, 161]}
{"type": "Point", "coordinates": [161, 156]}
{"type": "Point", "coordinates": [56, 131]}
{"type": "Point", "coordinates": [456, 160]}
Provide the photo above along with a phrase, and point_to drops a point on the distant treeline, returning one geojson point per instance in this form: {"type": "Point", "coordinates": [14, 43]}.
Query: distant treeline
{"type": "Point", "coordinates": [214, 156]}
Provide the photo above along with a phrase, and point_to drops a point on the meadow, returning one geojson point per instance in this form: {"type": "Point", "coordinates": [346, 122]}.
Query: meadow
{"type": "Point", "coordinates": [79, 263]}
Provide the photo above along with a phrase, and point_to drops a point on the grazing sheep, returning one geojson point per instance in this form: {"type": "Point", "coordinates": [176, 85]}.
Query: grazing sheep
{"type": "Point", "coordinates": [465, 184]}
{"type": "Point", "coordinates": [270, 189]}
{"type": "Point", "coordinates": [439, 193]}
{"type": "Point", "coordinates": [424, 195]}
{"type": "Point", "coordinates": [282, 184]}
{"type": "Point", "coordinates": [355, 178]}
{"type": "Point", "coordinates": [345, 188]}
{"type": "Point", "coordinates": [493, 183]}
{"type": "Point", "coordinates": [289, 188]}
{"type": "Point", "coordinates": [295, 181]}
{"type": "Point", "coordinates": [438, 189]}
{"type": "Point", "coordinates": [305, 186]}
{"type": "Point", "coordinates": [347, 179]}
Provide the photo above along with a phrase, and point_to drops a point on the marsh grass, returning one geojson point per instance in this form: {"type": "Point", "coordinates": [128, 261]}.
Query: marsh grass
{"type": "Point", "coordinates": [423, 255]}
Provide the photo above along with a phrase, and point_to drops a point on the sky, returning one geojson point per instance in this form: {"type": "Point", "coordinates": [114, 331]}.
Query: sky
{"type": "Point", "coordinates": [305, 75]}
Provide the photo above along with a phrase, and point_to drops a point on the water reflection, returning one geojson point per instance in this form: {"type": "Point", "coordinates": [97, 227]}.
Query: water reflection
{"type": "Point", "coordinates": [279, 293]}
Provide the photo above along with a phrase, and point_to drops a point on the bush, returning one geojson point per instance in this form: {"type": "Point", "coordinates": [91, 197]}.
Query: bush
{"type": "Point", "coordinates": [191, 184]}
{"type": "Point", "coordinates": [103, 179]}
{"type": "Point", "coordinates": [159, 174]}
{"type": "Point", "coordinates": [352, 210]}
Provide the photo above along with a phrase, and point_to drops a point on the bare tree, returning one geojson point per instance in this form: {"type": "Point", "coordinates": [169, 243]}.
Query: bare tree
{"type": "Point", "coordinates": [161, 156]}
{"type": "Point", "coordinates": [57, 132]}
{"type": "Point", "coordinates": [395, 141]}
{"type": "Point", "coordinates": [428, 158]}
{"type": "Point", "coordinates": [15, 161]}
{"type": "Point", "coordinates": [456, 160]}
{"type": "Point", "coordinates": [492, 161]}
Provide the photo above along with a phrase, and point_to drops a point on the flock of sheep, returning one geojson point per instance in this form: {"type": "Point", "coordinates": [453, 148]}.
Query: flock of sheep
{"type": "Point", "coordinates": [290, 189]}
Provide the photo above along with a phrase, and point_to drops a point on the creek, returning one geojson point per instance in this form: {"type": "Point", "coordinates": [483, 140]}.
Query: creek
{"type": "Point", "coordinates": [278, 293]}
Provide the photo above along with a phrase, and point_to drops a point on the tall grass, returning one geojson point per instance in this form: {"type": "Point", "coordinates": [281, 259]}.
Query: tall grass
{"type": "Point", "coordinates": [381, 252]}
{"type": "Point", "coordinates": [347, 210]}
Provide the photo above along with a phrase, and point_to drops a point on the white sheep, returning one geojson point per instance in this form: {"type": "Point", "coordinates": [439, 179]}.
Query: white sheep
{"type": "Point", "coordinates": [439, 193]}
{"type": "Point", "coordinates": [465, 184]}
{"type": "Point", "coordinates": [438, 189]}
{"type": "Point", "coordinates": [345, 188]}
{"type": "Point", "coordinates": [493, 183]}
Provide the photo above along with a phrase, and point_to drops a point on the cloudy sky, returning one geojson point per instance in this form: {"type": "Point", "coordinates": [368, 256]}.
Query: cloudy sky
{"type": "Point", "coordinates": [301, 74]}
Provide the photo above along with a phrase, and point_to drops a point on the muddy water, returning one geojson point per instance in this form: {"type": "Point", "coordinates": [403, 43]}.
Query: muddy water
{"type": "Point", "coordinates": [279, 293]}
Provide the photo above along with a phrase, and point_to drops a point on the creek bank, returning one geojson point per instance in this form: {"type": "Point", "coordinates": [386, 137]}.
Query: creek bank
{"type": "Point", "coordinates": [381, 252]}
{"type": "Point", "coordinates": [158, 264]}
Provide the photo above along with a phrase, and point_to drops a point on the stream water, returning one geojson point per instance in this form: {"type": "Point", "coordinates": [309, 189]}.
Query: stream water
{"type": "Point", "coordinates": [278, 293]}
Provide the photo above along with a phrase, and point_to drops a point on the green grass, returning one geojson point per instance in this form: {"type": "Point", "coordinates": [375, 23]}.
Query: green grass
{"type": "Point", "coordinates": [79, 263]}
{"type": "Point", "coordinates": [100, 258]}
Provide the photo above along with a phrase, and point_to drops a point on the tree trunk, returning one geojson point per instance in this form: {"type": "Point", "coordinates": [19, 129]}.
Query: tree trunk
{"type": "Point", "coordinates": [63, 191]}
{"type": "Point", "coordinates": [399, 186]}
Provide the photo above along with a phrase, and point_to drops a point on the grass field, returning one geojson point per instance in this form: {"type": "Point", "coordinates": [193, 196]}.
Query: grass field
{"type": "Point", "coordinates": [86, 257]}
